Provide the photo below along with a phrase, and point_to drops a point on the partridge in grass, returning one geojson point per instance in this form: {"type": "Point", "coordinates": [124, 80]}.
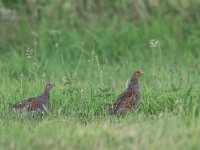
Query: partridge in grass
{"type": "Point", "coordinates": [35, 104]}
{"type": "Point", "coordinates": [129, 99]}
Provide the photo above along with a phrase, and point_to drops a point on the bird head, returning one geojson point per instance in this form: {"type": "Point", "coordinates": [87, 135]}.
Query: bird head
{"type": "Point", "coordinates": [137, 74]}
{"type": "Point", "coordinates": [49, 86]}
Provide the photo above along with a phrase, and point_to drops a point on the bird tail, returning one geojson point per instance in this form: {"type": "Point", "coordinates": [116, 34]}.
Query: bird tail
{"type": "Point", "coordinates": [111, 111]}
{"type": "Point", "coordinates": [13, 106]}
{"type": "Point", "coordinates": [10, 105]}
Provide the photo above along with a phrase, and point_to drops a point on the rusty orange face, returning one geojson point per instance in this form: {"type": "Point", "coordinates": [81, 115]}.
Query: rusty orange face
{"type": "Point", "coordinates": [49, 86]}
{"type": "Point", "coordinates": [138, 73]}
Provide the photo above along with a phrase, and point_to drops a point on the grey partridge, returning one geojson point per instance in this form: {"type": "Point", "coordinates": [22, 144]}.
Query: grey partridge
{"type": "Point", "coordinates": [129, 99]}
{"type": "Point", "coordinates": [37, 104]}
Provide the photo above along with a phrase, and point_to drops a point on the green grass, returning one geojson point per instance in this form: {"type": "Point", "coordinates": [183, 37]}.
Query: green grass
{"type": "Point", "coordinates": [167, 118]}
{"type": "Point", "coordinates": [133, 132]}
{"type": "Point", "coordinates": [90, 61]}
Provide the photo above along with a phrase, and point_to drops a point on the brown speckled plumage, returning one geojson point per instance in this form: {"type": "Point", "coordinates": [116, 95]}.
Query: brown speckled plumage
{"type": "Point", "coordinates": [129, 99]}
{"type": "Point", "coordinates": [38, 104]}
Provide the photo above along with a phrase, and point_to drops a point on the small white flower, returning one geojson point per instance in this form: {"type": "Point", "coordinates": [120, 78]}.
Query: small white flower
{"type": "Point", "coordinates": [43, 75]}
{"type": "Point", "coordinates": [36, 64]}
{"type": "Point", "coordinates": [154, 43]}
{"type": "Point", "coordinates": [29, 52]}
{"type": "Point", "coordinates": [22, 75]}
{"type": "Point", "coordinates": [56, 45]}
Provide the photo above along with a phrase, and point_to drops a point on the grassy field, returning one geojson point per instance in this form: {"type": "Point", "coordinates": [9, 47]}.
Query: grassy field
{"type": "Point", "coordinates": [90, 58]}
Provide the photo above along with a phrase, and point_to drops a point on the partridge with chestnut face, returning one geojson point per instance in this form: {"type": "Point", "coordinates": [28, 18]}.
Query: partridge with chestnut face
{"type": "Point", "coordinates": [37, 104]}
{"type": "Point", "coordinates": [129, 99]}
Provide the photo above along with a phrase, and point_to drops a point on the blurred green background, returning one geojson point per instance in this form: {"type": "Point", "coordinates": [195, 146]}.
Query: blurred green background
{"type": "Point", "coordinates": [118, 31]}
{"type": "Point", "coordinates": [119, 28]}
